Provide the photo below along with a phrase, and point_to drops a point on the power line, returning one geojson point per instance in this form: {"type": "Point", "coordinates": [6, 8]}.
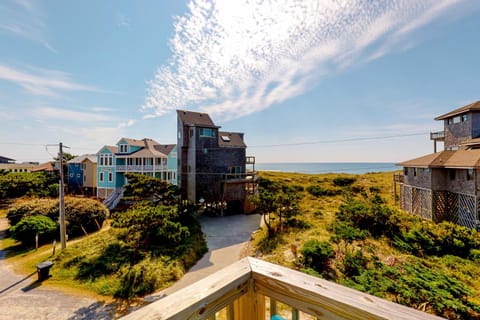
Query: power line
{"type": "Point", "coordinates": [338, 140]}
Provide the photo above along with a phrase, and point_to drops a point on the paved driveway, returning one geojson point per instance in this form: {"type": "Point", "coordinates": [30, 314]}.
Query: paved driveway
{"type": "Point", "coordinates": [226, 239]}
{"type": "Point", "coordinates": [24, 298]}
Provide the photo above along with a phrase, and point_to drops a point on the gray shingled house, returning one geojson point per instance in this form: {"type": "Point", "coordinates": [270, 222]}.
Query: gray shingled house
{"type": "Point", "coordinates": [212, 164]}
{"type": "Point", "coordinates": [446, 185]}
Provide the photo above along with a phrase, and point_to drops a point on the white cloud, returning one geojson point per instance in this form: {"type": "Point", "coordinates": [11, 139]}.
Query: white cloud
{"type": "Point", "coordinates": [234, 58]}
{"type": "Point", "coordinates": [25, 19]}
{"type": "Point", "coordinates": [128, 123]}
{"type": "Point", "coordinates": [42, 81]}
{"type": "Point", "coordinates": [68, 115]}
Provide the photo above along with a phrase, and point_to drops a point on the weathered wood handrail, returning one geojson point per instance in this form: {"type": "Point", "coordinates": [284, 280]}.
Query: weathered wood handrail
{"type": "Point", "coordinates": [243, 286]}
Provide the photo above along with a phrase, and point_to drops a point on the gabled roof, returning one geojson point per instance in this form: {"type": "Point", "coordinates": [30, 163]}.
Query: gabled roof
{"type": "Point", "coordinates": [47, 166]}
{"type": "Point", "coordinates": [475, 106]}
{"type": "Point", "coordinates": [112, 149]}
{"type": "Point", "coordinates": [196, 118]}
{"type": "Point", "coordinates": [446, 159]}
{"type": "Point", "coordinates": [137, 143]}
{"type": "Point", "coordinates": [149, 148]}
{"type": "Point", "coordinates": [231, 139]}
{"type": "Point", "coordinates": [80, 159]}
{"type": "Point", "coordinates": [165, 148]}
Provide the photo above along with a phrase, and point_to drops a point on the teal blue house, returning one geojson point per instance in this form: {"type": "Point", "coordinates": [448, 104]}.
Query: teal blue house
{"type": "Point", "coordinates": [144, 156]}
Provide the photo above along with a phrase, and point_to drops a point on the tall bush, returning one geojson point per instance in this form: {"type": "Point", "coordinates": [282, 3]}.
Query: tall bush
{"type": "Point", "coordinates": [79, 213]}
{"type": "Point", "coordinates": [26, 230]}
{"type": "Point", "coordinates": [317, 254]}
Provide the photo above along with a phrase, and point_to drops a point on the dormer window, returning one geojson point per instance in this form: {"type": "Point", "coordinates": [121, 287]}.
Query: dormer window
{"type": "Point", "coordinates": [123, 148]}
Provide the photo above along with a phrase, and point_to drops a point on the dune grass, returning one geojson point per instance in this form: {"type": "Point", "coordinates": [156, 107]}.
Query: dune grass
{"type": "Point", "coordinates": [320, 212]}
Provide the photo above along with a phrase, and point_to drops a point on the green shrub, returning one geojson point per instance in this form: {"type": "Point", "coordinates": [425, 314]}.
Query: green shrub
{"type": "Point", "coordinates": [157, 226]}
{"type": "Point", "coordinates": [418, 284]}
{"type": "Point", "coordinates": [370, 216]}
{"type": "Point", "coordinates": [19, 184]}
{"type": "Point", "coordinates": [28, 227]}
{"type": "Point", "coordinates": [345, 231]}
{"type": "Point", "coordinates": [83, 212]}
{"type": "Point", "coordinates": [353, 263]}
{"type": "Point", "coordinates": [344, 181]}
{"type": "Point", "coordinates": [31, 207]}
{"type": "Point", "coordinates": [79, 212]}
{"type": "Point", "coordinates": [317, 254]}
{"type": "Point", "coordinates": [319, 191]}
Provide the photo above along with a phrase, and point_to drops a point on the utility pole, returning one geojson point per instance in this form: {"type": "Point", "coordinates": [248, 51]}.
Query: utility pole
{"type": "Point", "coordinates": [63, 230]}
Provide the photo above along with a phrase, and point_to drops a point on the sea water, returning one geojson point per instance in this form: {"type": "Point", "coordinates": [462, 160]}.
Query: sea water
{"type": "Point", "coordinates": [327, 167]}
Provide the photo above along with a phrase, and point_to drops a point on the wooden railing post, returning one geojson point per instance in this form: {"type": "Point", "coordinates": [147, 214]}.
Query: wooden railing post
{"type": "Point", "coordinates": [249, 306]}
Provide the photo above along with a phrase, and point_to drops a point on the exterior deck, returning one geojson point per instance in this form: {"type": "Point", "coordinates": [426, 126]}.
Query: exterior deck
{"type": "Point", "coordinates": [241, 292]}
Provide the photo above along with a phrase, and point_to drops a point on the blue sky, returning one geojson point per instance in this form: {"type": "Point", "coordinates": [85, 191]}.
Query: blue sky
{"type": "Point", "coordinates": [305, 80]}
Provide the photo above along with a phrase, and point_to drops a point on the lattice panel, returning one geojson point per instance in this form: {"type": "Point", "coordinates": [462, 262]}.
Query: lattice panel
{"type": "Point", "coordinates": [406, 198]}
{"type": "Point", "coordinates": [467, 215]}
{"type": "Point", "coordinates": [451, 205]}
{"type": "Point", "coordinates": [439, 206]}
{"type": "Point", "coordinates": [422, 203]}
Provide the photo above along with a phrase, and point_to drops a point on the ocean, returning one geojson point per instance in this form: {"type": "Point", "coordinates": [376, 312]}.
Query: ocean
{"type": "Point", "coordinates": [327, 167]}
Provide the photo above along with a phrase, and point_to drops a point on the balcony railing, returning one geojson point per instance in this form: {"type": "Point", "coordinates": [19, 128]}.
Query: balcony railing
{"type": "Point", "coordinates": [398, 177]}
{"type": "Point", "coordinates": [440, 135]}
{"type": "Point", "coordinates": [251, 176]}
{"type": "Point", "coordinates": [241, 292]}
{"type": "Point", "coordinates": [141, 168]}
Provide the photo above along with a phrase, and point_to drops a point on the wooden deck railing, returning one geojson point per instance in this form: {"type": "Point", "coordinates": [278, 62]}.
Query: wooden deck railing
{"type": "Point", "coordinates": [241, 292]}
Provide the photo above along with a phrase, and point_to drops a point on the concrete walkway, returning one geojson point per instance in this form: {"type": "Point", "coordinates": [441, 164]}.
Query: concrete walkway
{"type": "Point", "coordinates": [226, 239]}
{"type": "Point", "coordinates": [24, 297]}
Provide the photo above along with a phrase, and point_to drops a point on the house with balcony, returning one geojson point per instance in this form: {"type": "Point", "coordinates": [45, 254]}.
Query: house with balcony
{"type": "Point", "coordinates": [144, 156]}
{"type": "Point", "coordinates": [213, 164]}
{"type": "Point", "coordinates": [445, 185]}
{"type": "Point", "coordinates": [82, 174]}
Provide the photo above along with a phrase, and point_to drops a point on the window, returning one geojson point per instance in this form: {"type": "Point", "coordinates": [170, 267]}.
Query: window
{"type": "Point", "coordinates": [71, 175]}
{"type": "Point", "coordinates": [84, 178]}
{"type": "Point", "coordinates": [110, 177]}
{"type": "Point", "coordinates": [457, 119]}
{"type": "Point", "coordinates": [101, 177]}
{"type": "Point", "coordinates": [226, 138]}
{"type": "Point", "coordinates": [106, 160]}
{"type": "Point", "coordinates": [123, 148]}
{"type": "Point", "coordinates": [78, 175]}
{"type": "Point", "coordinates": [464, 117]}
{"type": "Point", "coordinates": [469, 174]}
{"type": "Point", "coordinates": [414, 172]}
{"type": "Point", "coordinates": [452, 174]}
{"type": "Point", "coordinates": [426, 170]}
{"type": "Point", "coordinates": [207, 132]}
{"type": "Point", "coordinates": [405, 171]}
{"type": "Point", "coordinates": [235, 172]}
{"type": "Point", "coordinates": [169, 176]}
{"type": "Point", "coordinates": [191, 132]}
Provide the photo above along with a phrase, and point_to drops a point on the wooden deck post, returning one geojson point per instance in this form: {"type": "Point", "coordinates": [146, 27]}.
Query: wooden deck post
{"type": "Point", "coordinates": [249, 306]}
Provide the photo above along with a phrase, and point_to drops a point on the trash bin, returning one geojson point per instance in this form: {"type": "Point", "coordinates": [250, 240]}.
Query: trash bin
{"type": "Point", "coordinates": [43, 270]}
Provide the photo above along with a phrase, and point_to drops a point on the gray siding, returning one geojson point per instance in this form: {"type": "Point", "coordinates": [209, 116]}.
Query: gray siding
{"type": "Point", "coordinates": [421, 180]}
{"type": "Point", "coordinates": [456, 133]}
{"type": "Point", "coordinates": [460, 184]}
